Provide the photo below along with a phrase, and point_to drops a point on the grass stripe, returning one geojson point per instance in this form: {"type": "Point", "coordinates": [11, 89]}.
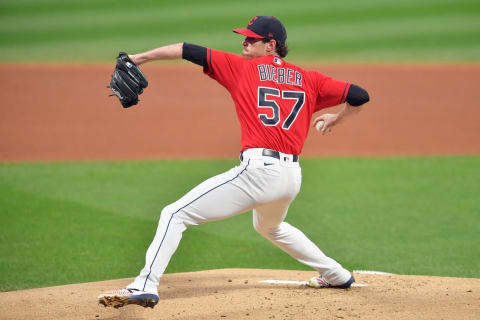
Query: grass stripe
{"type": "Point", "coordinates": [82, 30]}
{"type": "Point", "coordinates": [408, 215]}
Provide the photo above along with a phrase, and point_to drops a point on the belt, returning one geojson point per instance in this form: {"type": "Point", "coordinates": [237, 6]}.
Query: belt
{"type": "Point", "coordinates": [273, 154]}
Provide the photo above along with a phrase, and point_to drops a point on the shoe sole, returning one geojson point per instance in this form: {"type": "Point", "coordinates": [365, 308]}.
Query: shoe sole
{"type": "Point", "coordinates": [120, 301]}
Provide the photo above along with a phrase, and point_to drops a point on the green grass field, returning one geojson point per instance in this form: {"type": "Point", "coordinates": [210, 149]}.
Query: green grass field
{"type": "Point", "coordinates": [348, 30]}
{"type": "Point", "coordinates": [78, 222]}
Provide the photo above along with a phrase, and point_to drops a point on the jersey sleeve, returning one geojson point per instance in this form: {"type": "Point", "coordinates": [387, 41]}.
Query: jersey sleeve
{"type": "Point", "coordinates": [331, 92]}
{"type": "Point", "coordinates": [224, 67]}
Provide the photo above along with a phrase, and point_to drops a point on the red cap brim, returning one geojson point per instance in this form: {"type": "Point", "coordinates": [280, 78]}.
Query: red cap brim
{"type": "Point", "coordinates": [248, 33]}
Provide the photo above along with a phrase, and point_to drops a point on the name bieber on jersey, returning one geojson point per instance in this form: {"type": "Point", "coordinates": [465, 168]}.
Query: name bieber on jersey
{"type": "Point", "coordinates": [279, 75]}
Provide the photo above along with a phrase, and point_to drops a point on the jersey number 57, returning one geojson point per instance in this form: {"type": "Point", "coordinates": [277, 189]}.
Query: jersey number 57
{"type": "Point", "coordinates": [264, 102]}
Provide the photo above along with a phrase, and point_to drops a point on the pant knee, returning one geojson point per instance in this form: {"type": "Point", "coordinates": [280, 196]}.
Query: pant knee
{"type": "Point", "coordinates": [267, 231]}
{"type": "Point", "coordinates": [172, 214]}
{"type": "Point", "coordinates": [167, 212]}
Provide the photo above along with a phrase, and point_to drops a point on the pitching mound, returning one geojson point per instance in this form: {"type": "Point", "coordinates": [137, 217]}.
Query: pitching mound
{"type": "Point", "coordinates": [238, 294]}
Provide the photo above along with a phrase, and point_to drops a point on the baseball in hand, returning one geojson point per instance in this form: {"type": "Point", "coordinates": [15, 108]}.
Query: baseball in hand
{"type": "Point", "coordinates": [319, 125]}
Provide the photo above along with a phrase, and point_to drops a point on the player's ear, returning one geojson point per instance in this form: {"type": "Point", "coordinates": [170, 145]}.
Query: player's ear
{"type": "Point", "coordinates": [271, 45]}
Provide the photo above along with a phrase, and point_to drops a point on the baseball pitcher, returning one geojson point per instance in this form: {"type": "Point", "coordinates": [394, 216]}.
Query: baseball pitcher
{"type": "Point", "coordinates": [274, 101]}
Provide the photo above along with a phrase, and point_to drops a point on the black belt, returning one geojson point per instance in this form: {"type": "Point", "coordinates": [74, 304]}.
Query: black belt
{"type": "Point", "coordinates": [273, 154]}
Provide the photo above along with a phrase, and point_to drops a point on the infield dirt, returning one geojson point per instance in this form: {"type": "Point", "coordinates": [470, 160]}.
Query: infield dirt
{"type": "Point", "coordinates": [62, 112]}
{"type": "Point", "coordinates": [237, 294]}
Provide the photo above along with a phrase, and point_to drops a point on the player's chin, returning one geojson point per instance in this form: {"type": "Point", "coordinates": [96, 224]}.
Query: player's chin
{"type": "Point", "coordinates": [246, 54]}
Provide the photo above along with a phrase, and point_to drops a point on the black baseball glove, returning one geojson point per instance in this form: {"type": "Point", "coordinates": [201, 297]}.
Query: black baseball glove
{"type": "Point", "coordinates": [127, 81]}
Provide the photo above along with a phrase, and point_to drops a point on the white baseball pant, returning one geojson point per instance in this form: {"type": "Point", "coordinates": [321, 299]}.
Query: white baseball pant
{"type": "Point", "coordinates": [262, 183]}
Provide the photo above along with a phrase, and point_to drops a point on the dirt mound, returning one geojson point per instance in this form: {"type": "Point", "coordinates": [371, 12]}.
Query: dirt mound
{"type": "Point", "coordinates": [238, 294]}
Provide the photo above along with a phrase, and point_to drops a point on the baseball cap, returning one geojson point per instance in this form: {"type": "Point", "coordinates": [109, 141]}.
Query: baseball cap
{"type": "Point", "coordinates": [261, 27]}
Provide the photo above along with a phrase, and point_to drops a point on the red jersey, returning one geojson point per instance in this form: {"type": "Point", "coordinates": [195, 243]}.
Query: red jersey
{"type": "Point", "coordinates": [274, 100]}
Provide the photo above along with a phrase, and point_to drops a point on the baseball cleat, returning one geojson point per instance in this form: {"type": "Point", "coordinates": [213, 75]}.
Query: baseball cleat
{"type": "Point", "coordinates": [321, 282]}
{"type": "Point", "coordinates": [119, 298]}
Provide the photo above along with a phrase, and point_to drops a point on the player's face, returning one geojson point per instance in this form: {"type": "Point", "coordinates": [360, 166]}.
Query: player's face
{"type": "Point", "coordinates": [254, 48]}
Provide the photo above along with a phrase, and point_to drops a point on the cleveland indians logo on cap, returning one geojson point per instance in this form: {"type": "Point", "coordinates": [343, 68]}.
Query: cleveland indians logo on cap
{"type": "Point", "coordinates": [252, 20]}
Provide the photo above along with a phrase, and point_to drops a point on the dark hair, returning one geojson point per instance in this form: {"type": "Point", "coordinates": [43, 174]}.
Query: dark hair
{"type": "Point", "coordinates": [281, 48]}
